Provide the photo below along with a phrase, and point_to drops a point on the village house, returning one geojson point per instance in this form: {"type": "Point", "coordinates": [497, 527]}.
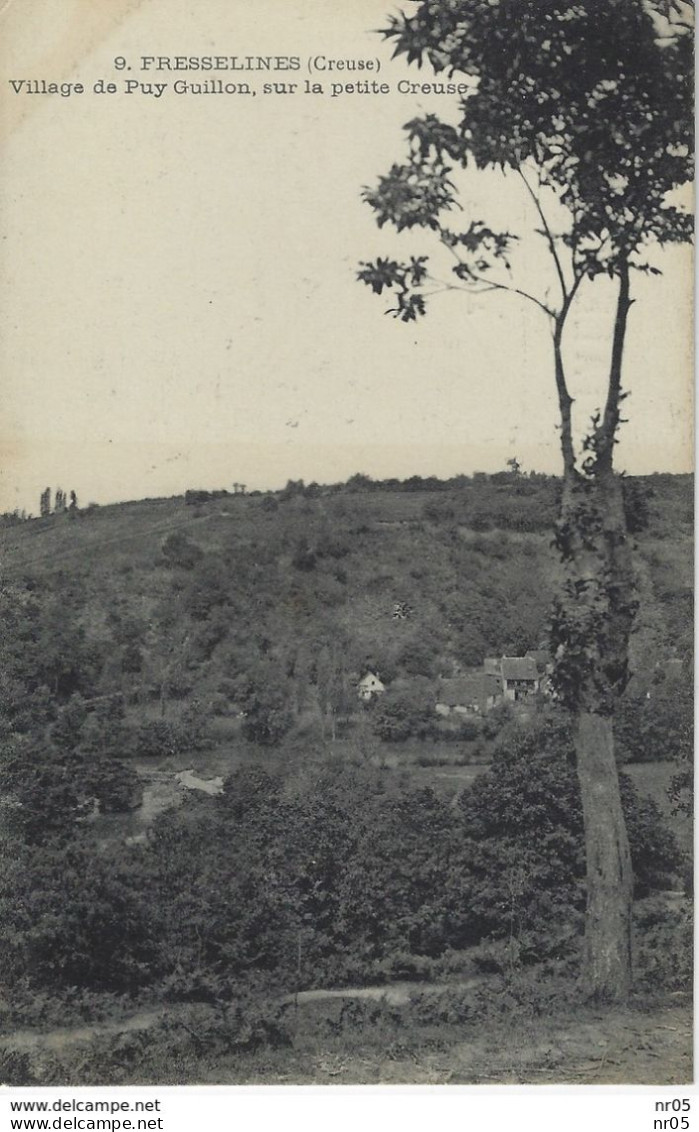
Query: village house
{"type": "Point", "coordinates": [369, 687]}
{"type": "Point", "coordinates": [505, 678]}
{"type": "Point", "coordinates": [520, 677]}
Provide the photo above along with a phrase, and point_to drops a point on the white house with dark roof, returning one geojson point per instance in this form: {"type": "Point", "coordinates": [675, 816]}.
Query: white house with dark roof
{"type": "Point", "coordinates": [369, 687]}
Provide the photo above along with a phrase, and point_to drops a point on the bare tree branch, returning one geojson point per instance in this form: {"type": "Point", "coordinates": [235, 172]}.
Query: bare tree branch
{"type": "Point", "coordinates": [548, 233]}
{"type": "Point", "coordinates": [486, 284]}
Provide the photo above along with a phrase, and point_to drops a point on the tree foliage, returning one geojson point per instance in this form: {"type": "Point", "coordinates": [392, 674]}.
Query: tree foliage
{"type": "Point", "coordinates": [588, 106]}
{"type": "Point", "coordinates": [588, 99]}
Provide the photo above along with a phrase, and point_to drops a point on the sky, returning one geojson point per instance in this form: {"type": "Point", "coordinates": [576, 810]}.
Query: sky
{"type": "Point", "coordinates": [178, 296]}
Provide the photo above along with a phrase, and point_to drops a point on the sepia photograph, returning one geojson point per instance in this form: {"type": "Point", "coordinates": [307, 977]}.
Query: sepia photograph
{"type": "Point", "coordinates": [346, 544]}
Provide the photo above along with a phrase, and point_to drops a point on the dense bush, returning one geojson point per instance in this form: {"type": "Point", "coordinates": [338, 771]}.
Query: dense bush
{"type": "Point", "coordinates": [74, 918]}
{"type": "Point", "coordinates": [637, 496]}
{"type": "Point", "coordinates": [496, 720]}
{"type": "Point", "coordinates": [115, 786]}
{"type": "Point", "coordinates": [268, 716]}
{"type": "Point", "coordinates": [333, 875]}
{"type": "Point", "coordinates": [470, 729]}
{"type": "Point", "coordinates": [160, 738]}
{"type": "Point", "coordinates": [655, 854]}
{"type": "Point", "coordinates": [665, 950]}
{"type": "Point", "coordinates": [48, 792]}
{"type": "Point", "coordinates": [179, 550]}
{"type": "Point", "coordinates": [43, 793]}
{"type": "Point", "coordinates": [403, 712]}
{"type": "Point", "coordinates": [657, 727]}
{"type": "Point", "coordinates": [530, 795]}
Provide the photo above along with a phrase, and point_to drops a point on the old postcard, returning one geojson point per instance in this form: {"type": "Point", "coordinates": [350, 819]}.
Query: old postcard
{"type": "Point", "coordinates": [346, 543]}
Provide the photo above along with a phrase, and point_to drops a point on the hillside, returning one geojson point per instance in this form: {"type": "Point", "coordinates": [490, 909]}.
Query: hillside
{"type": "Point", "coordinates": [163, 600]}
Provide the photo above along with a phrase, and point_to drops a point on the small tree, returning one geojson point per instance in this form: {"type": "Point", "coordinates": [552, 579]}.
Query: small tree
{"type": "Point", "coordinates": [588, 107]}
{"type": "Point", "coordinates": [45, 503]}
{"type": "Point", "coordinates": [336, 697]}
{"type": "Point", "coordinates": [266, 701]}
{"type": "Point", "coordinates": [403, 712]}
{"type": "Point", "coordinates": [268, 717]}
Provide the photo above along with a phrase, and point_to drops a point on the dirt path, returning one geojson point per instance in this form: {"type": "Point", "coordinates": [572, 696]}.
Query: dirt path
{"type": "Point", "coordinates": [395, 994]}
{"type": "Point", "coordinates": [619, 1046]}
{"type": "Point", "coordinates": [61, 1037]}
{"type": "Point", "coordinates": [615, 1046]}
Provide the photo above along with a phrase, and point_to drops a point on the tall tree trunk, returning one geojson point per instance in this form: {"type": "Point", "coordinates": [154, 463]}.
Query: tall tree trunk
{"type": "Point", "coordinates": [592, 623]}
{"type": "Point", "coordinates": [591, 627]}
{"type": "Point", "coordinates": [606, 972]}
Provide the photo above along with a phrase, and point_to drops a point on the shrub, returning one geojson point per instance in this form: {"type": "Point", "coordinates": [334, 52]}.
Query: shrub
{"type": "Point", "coordinates": [665, 948]}
{"type": "Point", "coordinates": [220, 704]}
{"type": "Point", "coordinates": [268, 717]}
{"type": "Point", "coordinates": [636, 497]}
{"type": "Point", "coordinates": [16, 1068]}
{"type": "Point", "coordinates": [393, 720]}
{"type": "Point", "coordinates": [405, 966]}
{"type": "Point", "coordinates": [43, 792]}
{"type": "Point", "coordinates": [440, 510]}
{"type": "Point", "coordinates": [179, 550]}
{"type": "Point", "coordinates": [659, 728]}
{"type": "Point", "coordinates": [116, 787]}
{"type": "Point", "coordinates": [496, 720]}
{"type": "Point", "coordinates": [71, 918]}
{"type": "Point", "coordinates": [402, 712]}
{"type": "Point", "coordinates": [65, 732]}
{"type": "Point", "coordinates": [304, 556]}
{"type": "Point", "coordinates": [418, 657]}
{"type": "Point", "coordinates": [325, 872]}
{"type": "Point", "coordinates": [654, 850]}
{"type": "Point", "coordinates": [680, 792]}
{"type": "Point", "coordinates": [469, 730]}
{"type": "Point", "coordinates": [524, 817]}
{"type": "Point", "coordinates": [158, 738]}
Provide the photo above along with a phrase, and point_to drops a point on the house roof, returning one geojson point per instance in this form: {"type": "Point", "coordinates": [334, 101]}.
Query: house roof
{"type": "Point", "coordinates": [464, 690]}
{"type": "Point", "coordinates": [519, 668]}
{"type": "Point", "coordinates": [541, 657]}
{"type": "Point", "coordinates": [371, 678]}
